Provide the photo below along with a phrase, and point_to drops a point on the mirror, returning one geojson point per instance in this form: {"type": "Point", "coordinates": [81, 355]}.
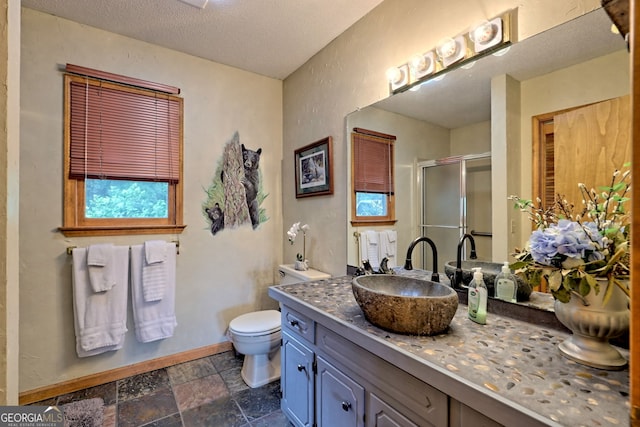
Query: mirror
{"type": "Point", "coordinates": [576, 63]}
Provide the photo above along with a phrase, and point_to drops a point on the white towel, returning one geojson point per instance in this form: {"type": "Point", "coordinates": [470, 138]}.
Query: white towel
{"type": "Point", "coordinates": [153, 320]}
{"type": "Point", "coordinates": [155, 251]}
{"type": "Point", "coordinates": [100, 318]}
{"type": "Point", "coordinates": [388, 247]}
{"type": "Point", "coordinates": [369, 248]}
{"type": "Point", "coordinates": [154, 270]}
{"type": "Point", "coordinates": [100, 266]}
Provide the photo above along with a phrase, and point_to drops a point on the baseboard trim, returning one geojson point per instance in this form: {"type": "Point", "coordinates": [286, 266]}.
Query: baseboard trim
{"type": "Point", "coordinates": [105, 377]}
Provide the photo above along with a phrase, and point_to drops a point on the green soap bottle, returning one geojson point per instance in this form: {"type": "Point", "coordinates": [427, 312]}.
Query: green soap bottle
{"type": "Point", "coordinates": [477, 298]}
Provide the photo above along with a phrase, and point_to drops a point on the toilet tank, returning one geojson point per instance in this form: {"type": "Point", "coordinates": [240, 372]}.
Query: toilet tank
{"type": "Point", "coordinates": [289, 275]}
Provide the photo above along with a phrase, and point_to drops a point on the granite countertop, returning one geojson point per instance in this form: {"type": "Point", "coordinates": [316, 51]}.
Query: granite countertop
{"type": "Point", "coordinates": [507, 359]}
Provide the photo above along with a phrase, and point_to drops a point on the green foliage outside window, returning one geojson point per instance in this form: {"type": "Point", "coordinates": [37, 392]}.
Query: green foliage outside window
{"type": "Point", "coordinates": [126, 199]}
{"type": "Point", "coordinates": [371, 204]}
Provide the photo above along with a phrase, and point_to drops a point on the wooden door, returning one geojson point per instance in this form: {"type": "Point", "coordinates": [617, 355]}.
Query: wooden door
{"type": "Point", "coordinates": [589, 144]}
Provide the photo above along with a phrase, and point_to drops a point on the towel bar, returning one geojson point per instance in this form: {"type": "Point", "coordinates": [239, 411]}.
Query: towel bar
{"type": "Point", "coordinates": [481, 233]}
{"type": "Point", "coordinates": [71, 248]}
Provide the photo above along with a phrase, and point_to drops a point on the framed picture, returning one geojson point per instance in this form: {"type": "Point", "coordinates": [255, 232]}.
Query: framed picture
{"type": "Point", "coordinates": [314, 169]}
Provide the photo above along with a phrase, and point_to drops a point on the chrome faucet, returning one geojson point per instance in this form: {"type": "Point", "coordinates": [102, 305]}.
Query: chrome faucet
{"type": "Point", "coordinates": [407, 264]}
{"type": "Point", "coordinates": [457, 278]}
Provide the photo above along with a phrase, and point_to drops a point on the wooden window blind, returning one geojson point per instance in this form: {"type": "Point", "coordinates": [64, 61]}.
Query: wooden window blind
{"type": "Point", "coordinates": [120, 128]}
{"type": "Point", "coordinates": [373, 161]}
{"type": "Point", "coordinates": [123, 132]}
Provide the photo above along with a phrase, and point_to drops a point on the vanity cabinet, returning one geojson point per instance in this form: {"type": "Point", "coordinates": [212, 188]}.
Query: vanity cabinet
{"type": "Point", "coordinates": [330, 381]}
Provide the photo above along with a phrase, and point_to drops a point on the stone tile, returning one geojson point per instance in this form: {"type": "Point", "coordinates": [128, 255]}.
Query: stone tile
{"type": "Point", "coordinates": [105, 391]}
{"type": "Point", "coordinates": [219, 413]}
{"type": "Point", "coordinates": [109, 416]}
{"type": "Point", "coordinates": [226, 360]}
{"type": "Point", "coordinates": [147, 408]}
{"type": "Point", "coordinates": [200, 391]}
{"type": "Point", "coordinates": [188, 371]}
{"type": "Point", "coordinates": [143, 384]}
{"type": "Point", "coordinates": [233, 380]}
{"type": "Point", "coordinates": [174, 420]}
{"type": "Point", "coordinates": [257, 402]}
{"type": "Point", "coordinates": [275, 419]}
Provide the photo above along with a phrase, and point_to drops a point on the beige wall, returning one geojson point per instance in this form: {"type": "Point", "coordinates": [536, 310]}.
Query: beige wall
{"type": "Point", "coordinates": [217, 277]}
{"type": "Point", "coordinates": [350, 73]}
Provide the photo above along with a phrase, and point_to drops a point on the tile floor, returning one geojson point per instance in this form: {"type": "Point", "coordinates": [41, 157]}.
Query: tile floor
{"type": "Point", "coordinates": [207, 392]}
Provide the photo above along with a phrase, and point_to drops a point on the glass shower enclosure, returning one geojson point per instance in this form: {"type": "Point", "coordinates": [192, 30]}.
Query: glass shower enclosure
{"type": "Point", "coordinates": [456, 199]}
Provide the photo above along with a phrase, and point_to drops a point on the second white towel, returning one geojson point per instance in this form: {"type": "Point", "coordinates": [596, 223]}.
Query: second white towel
{"type": "Point", "coordinates": [153, 320]}
{"type": "Point", "coordinates": [154, 270]}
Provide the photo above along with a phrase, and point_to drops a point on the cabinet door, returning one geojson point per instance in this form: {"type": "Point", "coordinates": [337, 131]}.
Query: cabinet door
{"type": "Point", "coordinates": [297, 381]}
{"type": "Point", "coordinates": [380, 414]}
{"type": "Point", "coordinates": [340, 399]}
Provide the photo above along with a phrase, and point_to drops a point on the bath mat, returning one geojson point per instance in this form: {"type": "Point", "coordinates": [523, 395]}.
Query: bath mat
{"type": "Point", "coordinates": [84, 413]}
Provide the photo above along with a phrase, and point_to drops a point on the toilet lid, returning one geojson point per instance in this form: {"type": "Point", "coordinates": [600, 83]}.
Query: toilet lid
{"type": "Point", "coordinates": [259, 322]}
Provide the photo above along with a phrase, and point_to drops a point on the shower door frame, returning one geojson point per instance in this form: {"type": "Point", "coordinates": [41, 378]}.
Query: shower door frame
{"type": "Point", "coordinates": [462, 204]}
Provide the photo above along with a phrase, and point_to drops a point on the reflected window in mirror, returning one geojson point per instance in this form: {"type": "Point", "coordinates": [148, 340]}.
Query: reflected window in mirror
{"type": "Point", "coordinates": [372, 186]}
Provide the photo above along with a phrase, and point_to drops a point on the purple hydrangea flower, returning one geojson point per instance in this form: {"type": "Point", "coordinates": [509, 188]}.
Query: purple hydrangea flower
{"type": "Point", "coordinates": [567, 239]}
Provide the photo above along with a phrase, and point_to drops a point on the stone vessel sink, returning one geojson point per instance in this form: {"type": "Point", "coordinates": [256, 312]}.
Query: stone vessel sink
{"type": "Point", "coordinates": [405, 305]}
{"type": "Point", "coordinates": [489, 272]}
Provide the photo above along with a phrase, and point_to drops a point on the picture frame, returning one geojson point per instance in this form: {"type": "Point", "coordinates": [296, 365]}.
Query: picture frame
{"type": "Point", "coordinates": [314, 169]}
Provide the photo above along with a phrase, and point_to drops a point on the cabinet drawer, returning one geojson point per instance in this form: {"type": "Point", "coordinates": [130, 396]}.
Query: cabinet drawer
{"type": "Point", "coordinates": [396, 386]}
{"type": "Point", "coordinates": [298, 323]}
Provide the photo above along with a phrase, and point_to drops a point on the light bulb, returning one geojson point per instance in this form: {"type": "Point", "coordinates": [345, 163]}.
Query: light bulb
{"type": "Point", "coordinates": [447, 48]}
{"type": "Point", "coordinates": [502, 51]}
{"type": "Point", "coordinates": [483, 33]}
{"type": "Point", "coordinates": [469, 65]}
{"type": "Point", "coordinates": [419, 63]}
{"type": "Point", "coordinates": [394, 75]}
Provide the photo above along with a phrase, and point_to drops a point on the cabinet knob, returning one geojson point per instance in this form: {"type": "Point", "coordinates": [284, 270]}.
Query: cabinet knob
{"type": "Point", "coordinates": [293, 323]}
{"type": "Point", "coordinates": [301, 368]}
{"type": "Point", "coordinates": [346, 406]}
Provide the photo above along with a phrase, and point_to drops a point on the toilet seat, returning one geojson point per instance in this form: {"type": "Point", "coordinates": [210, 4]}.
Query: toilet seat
{"type": "Point", "coordinates": [256, 324]}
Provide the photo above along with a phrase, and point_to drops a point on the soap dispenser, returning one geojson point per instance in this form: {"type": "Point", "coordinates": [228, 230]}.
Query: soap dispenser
{"type": "Point", "coordinates": [506, 284]}
{"type": "Point", "coordinates": [477, 302]}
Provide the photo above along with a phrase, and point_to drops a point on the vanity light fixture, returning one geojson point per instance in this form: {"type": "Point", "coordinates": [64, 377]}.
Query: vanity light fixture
{"type": "Point", "coordinates": [398, 77]}
{"type": "Point", "coordinates": [493, 36]}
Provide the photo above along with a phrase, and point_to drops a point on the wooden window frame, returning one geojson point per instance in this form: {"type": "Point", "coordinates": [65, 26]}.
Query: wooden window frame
{"type": "Point", "coordinates": [74, 221]}
{"type": "Point", "coordinates": [390, 218]}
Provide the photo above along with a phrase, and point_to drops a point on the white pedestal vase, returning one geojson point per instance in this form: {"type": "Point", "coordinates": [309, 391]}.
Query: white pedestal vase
{"type": "Point", "coordinates": [592, 326]}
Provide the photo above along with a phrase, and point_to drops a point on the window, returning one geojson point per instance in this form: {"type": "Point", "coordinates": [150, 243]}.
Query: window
{"type": "Point", "coordinates": [123, 155]}
{"type": "Point", "coordinates": [372, 191]}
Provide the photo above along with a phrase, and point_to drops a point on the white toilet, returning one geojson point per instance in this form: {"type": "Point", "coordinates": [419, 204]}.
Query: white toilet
{"type": "Point", "coordinates": [257, 334]}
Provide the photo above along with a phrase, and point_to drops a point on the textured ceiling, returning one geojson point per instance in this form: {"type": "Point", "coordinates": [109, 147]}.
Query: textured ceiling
{"type": "Point", "coordinates": [268, 37]}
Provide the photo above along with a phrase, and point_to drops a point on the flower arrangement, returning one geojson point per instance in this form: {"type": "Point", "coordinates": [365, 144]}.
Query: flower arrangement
{"type": "Point", "coordinates": [293, 232]}
{"type": "Point", "coordinates": [572, 250]}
